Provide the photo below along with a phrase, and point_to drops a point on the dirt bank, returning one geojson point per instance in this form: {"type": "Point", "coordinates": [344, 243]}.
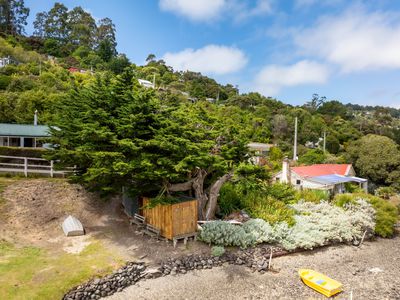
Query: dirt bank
{"type": "Point", "coordinates": [32, 211]}
{"type": "Point", "coordinates": [369, 272]}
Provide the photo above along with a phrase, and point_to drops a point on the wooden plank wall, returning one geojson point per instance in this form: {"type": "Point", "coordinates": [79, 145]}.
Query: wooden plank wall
{"type": "Point", "coordinates": [172, 220]}
{"type": "Point", "coordinates": [160, 217]}
{"type": "Point", "coordinates": [184, 217]}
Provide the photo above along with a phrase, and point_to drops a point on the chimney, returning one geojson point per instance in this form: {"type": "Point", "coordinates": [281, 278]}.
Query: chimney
{"type": "Point", "coordinates": [35, 119]}
{"type": "Point", "coordinates": [285, 171]}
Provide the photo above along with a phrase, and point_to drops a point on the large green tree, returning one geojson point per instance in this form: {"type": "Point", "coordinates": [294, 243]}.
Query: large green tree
{"type": "Point", "coordinates": [53, 24]}
{"type": "Point", "coordinates": [377, 158]}
{"type": "Point", "coordinates": [119, 134]}
{"type": "Point", "coordinates": [13, 15]}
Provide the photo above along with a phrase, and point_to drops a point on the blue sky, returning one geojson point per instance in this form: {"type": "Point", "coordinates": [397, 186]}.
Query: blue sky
{"type": "Point", "coordinates": [344, 50]}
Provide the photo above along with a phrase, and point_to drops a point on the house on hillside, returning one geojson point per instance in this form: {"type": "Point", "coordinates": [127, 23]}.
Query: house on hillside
{"type": "Point", "coordinates": [4, 61]}
{"type": "Point", "coordinates": [23, 135]}
{"type": "Point", "coordinates": [329, 177]}
{"type": "Point", "coordinates": [259, 152]}
{"type": "Point", "coordinates": [146, 83]}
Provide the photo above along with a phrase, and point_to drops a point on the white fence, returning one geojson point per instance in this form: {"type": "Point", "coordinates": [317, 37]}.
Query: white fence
{"type": "Point", "coordinates": [28, 165]}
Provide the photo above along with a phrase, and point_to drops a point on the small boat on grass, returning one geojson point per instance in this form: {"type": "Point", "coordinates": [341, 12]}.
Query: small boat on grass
{"type": "Point", "coordinates": [319, 282]}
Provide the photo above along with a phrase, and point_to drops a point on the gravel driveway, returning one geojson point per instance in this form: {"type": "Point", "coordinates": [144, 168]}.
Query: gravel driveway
{"type": "Point", "coordinates": [369, 272]}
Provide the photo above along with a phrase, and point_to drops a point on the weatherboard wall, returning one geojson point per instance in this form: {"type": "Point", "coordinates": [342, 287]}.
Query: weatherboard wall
{"type": "Point", "coordinates": [172, 219]}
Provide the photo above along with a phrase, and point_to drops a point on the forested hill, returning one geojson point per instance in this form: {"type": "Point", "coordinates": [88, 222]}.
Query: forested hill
{"type": "Point", "coordinates": [69, 51]}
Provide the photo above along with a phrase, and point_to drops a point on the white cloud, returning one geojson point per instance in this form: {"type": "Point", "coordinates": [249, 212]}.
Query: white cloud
{"type": "Point", "coordinates": [307, 3]}
{"type": "Point", "coordinates": [241, 11]}
{"type": "Point", "coordinates": [196, 10]}
{"type": "Point", "coordinates": [272, 78]}
{"type": "Point", "coordinates": [209, 10]}
{"type": "Point", "coordinates": [211, 59]}
{"type": "Point", "coordinates": [355, 40]}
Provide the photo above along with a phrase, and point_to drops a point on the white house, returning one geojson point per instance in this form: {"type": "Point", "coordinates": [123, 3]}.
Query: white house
{"type": "Point", "coordinates": [146, 83]}
{"type": "Point", "coordinates": [23, 135]}
{"type": "Point", "coordinates": [259, 151]}
{"type": "Point", "coordinates": [4, 61]}
{"type": "Point", "coordinates": [330, 177]}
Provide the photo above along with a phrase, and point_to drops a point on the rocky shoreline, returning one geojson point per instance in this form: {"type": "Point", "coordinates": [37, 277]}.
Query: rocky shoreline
{"type": "Point", "coordinates": [257, 259]}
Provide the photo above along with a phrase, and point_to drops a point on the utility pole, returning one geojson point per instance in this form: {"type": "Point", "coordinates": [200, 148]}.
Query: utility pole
{"type": "Point", "coordinates": [154, 81]}
{"type": "Point", "coordinates": [295, 140]}
{"type": "Point", "coordinates": [324, 141]}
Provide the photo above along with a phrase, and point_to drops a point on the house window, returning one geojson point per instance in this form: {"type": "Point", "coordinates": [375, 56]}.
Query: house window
{"type": "Point", "coordinates": [298, 181]}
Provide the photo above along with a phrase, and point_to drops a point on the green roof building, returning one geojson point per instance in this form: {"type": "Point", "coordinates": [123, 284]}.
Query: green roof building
{"type": "Point", "coordinates": [23, 135]}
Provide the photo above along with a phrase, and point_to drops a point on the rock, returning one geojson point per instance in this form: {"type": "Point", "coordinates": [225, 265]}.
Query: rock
{"type": "Point", "coordinates": [239, 261]}
{"type": "Point", "coordinates": [375, 270]}
{"type": "Point", "coordinates": [96, 281]}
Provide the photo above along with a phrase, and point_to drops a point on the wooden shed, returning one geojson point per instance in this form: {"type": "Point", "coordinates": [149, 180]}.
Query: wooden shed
{"type": "Point", "coordinates": [173, 219]}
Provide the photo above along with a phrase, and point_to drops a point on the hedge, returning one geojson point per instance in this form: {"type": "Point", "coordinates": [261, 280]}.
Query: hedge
{"type": "Point", "coordinates": [22, 152]}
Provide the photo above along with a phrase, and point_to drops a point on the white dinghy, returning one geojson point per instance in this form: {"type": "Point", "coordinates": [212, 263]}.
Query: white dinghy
{"type": "Point", "coordinates": [72, 226]}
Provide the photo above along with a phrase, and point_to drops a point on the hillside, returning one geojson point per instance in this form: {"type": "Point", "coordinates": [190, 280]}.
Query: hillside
{"type": "Point", "coordinates": [71, 52]}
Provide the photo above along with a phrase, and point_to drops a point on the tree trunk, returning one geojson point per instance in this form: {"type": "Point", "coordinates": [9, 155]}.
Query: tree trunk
{"type": "Point", "coordinates": [200, 195]}
{"type": "Point", "coordinates": [214, 193]}
{"type": "Point", "coordinates": [207, 204]}
{"type": "Point", "coordinates": [180, 187]}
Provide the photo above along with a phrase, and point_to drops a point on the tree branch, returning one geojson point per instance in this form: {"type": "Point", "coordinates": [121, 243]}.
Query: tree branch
{"type": "Point", "coordinates": [214, 193]}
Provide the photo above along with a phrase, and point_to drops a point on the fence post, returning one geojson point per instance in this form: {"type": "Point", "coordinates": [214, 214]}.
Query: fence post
{"type": "Point", "coordinates": [26, 166]}
{"type": "Point", "coordinates": [51, 168]}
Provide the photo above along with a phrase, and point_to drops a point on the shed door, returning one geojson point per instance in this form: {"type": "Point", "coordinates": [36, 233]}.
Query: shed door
{"type": "Point", "coordinates": [182, 219]}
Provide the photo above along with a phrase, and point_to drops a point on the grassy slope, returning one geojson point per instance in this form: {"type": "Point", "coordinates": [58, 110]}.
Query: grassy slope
{"type": "Point", "coordinates": [35, 273]}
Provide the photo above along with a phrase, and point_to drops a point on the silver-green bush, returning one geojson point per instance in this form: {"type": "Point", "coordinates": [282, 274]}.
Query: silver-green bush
{"type": "Point", "coordinates": [317, 224]}
{"type": "Point", "coordinates": [217, 251]}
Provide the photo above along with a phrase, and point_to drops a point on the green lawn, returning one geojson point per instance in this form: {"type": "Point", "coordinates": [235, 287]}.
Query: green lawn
{"type": "Point", "coordinates": [33, 273]}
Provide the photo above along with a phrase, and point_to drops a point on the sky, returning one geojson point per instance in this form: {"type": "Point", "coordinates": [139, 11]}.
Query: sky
{"type": "Point", "coordinates": [288, 49]}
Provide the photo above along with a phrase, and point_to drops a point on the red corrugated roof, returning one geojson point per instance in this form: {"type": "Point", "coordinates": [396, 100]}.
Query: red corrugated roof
{"type": "Point", "coordinates": [322, 169]}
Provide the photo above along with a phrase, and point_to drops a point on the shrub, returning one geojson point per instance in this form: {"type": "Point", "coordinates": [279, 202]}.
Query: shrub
{"type": "Point", "coordinates": [229, 199]}
{"type": "Point", "coordinates": [322, 224]}
{"type": "Point", "coordinates": [386, 216]}
{"type": "Point", "coordinates": [386, 212]}
{"type": "Point", "coordinates": [4, 81]}
{"type": "Point", "coordinates": [313, 156]}
{"type": "Point", "coordinates": [259, 229]}
{"type": "Point", "coordinates": [316, 225]}
{"type": "Point", "coordinates": [343, 199]}
{"type": "Point", "coordinates": [268, 209]}
{"type": "Point", "coordinates": [226, 234]}
{"type": "Point", "coordinates": [16, 151]}
{"type": "Point", "coordinates": [282, 192]}
{"type": "Point", "coordinates": [258, 199]}
{"type": "Point", "coordinates": [315, 196]}
{"type": "Point", "coordinates": [217, 251]}
{"type": "Point", "coordinates": [385, 192]}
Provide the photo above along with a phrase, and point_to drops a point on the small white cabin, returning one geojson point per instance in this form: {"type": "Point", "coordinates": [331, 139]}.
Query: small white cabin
{"type": "Point", "coordinates": [330, 177]}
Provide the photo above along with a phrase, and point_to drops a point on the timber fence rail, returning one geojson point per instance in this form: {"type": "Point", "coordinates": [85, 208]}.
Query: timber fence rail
{"type": "Point", "coordinates": [29, 165]}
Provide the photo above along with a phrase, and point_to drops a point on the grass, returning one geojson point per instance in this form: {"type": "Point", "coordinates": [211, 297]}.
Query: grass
{"type": "Point", "coordinates": [34, 273]}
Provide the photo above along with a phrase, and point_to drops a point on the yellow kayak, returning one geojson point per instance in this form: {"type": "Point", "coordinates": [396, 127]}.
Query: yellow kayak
{"type": "Point", "coordinates": [320, 282]}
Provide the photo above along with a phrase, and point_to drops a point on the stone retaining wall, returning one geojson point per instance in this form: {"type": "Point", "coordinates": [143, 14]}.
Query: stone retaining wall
{"type": "Point", "coordinates": [254, 258]}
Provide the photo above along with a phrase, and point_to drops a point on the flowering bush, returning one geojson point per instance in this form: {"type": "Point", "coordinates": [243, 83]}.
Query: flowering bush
{"type": "Point", "coordinates": [316, 225]}
{"type": "Point", "coordinates": [386, 212]}
{"type": "Point", "coordinates": [321, 224]}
